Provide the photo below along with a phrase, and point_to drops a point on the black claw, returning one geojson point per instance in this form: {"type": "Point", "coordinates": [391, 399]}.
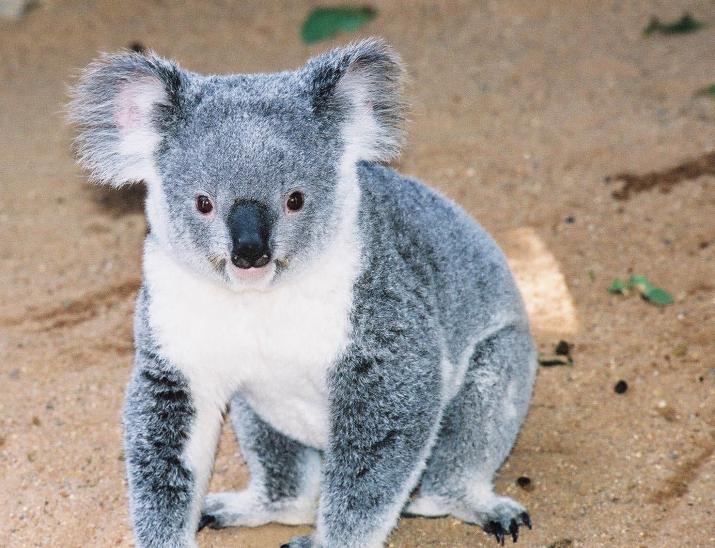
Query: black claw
{"type": "Point", "coordinates": [525, 519]}
{"type": "Point", "coordinates": [514, 530]}
{"type": "Point", "coordinates": [495, 528]}
{"type": "Point", "coordinates": [206, 519]}
{"type": "Point", "coordinates": [285, 545]}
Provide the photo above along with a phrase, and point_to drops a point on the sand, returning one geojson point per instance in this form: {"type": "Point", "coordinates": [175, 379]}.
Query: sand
{"type": "Point", "coordinates": [521, 111]}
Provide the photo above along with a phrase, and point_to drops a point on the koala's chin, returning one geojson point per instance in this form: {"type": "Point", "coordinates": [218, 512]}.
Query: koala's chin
{"type": "Point", "coordinates": [243, 279]}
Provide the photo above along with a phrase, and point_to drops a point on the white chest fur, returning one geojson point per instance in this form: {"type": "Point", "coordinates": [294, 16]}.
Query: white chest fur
{"type": "Point", "coordinates": [274, 346]}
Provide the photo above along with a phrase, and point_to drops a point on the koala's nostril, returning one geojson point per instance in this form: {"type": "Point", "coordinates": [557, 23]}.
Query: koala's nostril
{"type": "Point", "coordinates": [239, 261]}
{"type": "Point", "coordinates": [262, 260]}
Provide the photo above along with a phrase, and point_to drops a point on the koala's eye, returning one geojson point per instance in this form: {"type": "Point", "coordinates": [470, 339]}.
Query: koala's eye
{"type": "Point", "coordinates": [295, 201]}
{"type": "Point", "coordinates": [203, 204]}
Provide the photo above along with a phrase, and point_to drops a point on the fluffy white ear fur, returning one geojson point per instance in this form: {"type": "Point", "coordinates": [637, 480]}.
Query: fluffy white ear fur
{"type": "Point", "coordinates": [138, 137]}
{"type": "Point", "coordinates": [365, 138]}
{"type": "Point", "coordinates": [115, 106]}
{"type": "Point", "coordinates": [362, 85]}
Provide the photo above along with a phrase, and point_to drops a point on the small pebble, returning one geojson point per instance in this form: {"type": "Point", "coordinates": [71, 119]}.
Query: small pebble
{"type": "Point", "coordinates": [525, 483]}
{"type": "Point", "coordinates": [570, 220]}
{"type": "Point", "coordinates": [563, 349]}
{"type": "Point", "coordinates": [621, 387]}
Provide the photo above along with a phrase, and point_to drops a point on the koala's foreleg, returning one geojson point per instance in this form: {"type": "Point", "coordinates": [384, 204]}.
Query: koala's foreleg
{"type": "Point", "coordinates": [384, 421]}
{"type": "Point", "coordinates": [285, 477]}
{"type": "Point", "coordinates": [170, 441]}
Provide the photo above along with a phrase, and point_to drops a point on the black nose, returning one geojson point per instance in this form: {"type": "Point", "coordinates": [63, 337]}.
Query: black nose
{"type": "Point", "coordinates": [249, 225]}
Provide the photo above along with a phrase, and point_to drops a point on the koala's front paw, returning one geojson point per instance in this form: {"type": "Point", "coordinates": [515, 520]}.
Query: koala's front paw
{"type": "Point", "coordinates": [300, 542]}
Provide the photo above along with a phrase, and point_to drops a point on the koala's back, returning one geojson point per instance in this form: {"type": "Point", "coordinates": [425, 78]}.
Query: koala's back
{"type": "Point", "coordinates": [419, 241]}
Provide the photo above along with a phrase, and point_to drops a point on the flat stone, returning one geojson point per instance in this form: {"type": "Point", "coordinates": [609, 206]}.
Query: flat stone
{"type": "Point", "coordinates": [546, 295]}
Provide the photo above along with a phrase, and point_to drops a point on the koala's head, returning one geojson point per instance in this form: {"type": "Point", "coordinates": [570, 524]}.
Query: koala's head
{"type": "Point", "coordinates": [249, 176]}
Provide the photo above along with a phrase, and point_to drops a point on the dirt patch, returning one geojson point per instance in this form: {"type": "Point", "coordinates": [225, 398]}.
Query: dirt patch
{"type": "Point", "coordinates": [665, 179]}
{"type": "Point", "coordinates": [518, 110]}
{"type": "Point", "coordinates": [677, 485]}
{"type": "Point", "coordinates": [74, 311]}
{"type": "Point", "coordinates": [563, 543]}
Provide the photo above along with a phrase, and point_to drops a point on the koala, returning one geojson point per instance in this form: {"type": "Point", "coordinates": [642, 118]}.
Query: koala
{"type": "Point", "coordinates": [364, 333]}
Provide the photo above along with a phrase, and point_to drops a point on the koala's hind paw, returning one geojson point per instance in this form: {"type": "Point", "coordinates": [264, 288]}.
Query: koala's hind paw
{"type": "Point", "coordinates": [246, 508]}
{"type": "Point", "coordinates": [230, 509]}
{"type": "Point", "coordinates": [497, 529]}
{"type": "Point", "coordinates": [498, 516]}
{"type": "Point", "coordinates": [504, 520]}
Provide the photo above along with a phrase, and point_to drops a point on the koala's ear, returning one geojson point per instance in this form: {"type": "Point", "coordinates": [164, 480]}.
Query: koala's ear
{"type": "Point", "coordinates": [122, 105]}
{"type": "Point", "coordinates": [360, 86]}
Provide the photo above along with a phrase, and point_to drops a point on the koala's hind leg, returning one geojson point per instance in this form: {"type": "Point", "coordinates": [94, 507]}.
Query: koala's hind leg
{"type": "Point", "coordinates": [285, 476]}
{"type": "Point", "coordinates": [478, 430]}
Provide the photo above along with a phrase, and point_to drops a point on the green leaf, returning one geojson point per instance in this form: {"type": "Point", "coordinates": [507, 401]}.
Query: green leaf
{"type": "Point", "coordinates": [707, 90]}
{"type": "Point", "coordinates": [658, 297]}
{"type": "Point", "coordinates": [641, 283]}
{"type": "Point", "coordinates": [618, 286]}
{"type": "Point", "coordinates": [687, 23]}
{"type": "Point", "coordinates": [324, 23]}
{"type": "Point", "coordinates": [647, 290]}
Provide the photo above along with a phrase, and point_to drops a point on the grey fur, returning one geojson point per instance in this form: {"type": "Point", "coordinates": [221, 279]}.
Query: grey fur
{"type": "Point", "coordinates": [158, 410]}
{"type": "Point", "coordinates": [436, 379]}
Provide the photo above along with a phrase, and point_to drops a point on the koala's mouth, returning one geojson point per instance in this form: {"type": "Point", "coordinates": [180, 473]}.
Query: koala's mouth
{"type": "Point", "coordinates": [248, 276]}
{"type": "Point", "coordinates": [253, 275]}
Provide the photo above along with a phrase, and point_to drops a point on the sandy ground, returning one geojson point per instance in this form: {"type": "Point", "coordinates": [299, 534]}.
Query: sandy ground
{"type": "Point", "coordinates": [521, 110]}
